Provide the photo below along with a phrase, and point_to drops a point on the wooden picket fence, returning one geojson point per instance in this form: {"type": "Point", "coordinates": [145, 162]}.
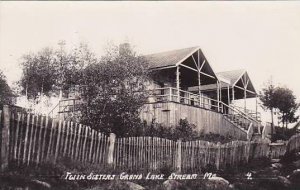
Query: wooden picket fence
{"type": "Point", "coordinates": [144, 153]}
{"type": "Point", "coordinates": [32, 139]}
{"type": "Point", "coordinates": [35, 139]}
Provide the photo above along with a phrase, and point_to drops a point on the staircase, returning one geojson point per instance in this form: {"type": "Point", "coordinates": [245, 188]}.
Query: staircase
{"type": "Point", "coordinates": [251, 113]}
{"type": "Point", "coordinates": [242, 120]}
{"type": "Point", "coordinates": [66, 106]}
{"type": "Point", "coordinates": [238, 120]}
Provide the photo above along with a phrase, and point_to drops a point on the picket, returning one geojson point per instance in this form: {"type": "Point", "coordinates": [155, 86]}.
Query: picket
{"type": "Point", "coordinates": [36, 139]}
{"type": "Point", "coordinates": [44, 139]}
{"type": "Point", "coordinates": [39, 144]}
{"type": "Point", "coordinates": [21, 123]}
{"type": "Point", "coordinates": [17, 136]}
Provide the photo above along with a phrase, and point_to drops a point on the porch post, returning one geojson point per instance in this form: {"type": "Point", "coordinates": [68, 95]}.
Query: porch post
{"type": "Point", "coordinates": [220, 89]}
{"type": "Point", "coordinates": [228, 94]}
{"type": "Point", "coordinates": [218, 96]}
{"type": "Point", "coordinates": [245, 96]}
{"type": "Point", "coordinates": [178, 83]}
{"type": "Point", "coordinates": [199, 88]}
{"type": "Point", "coordinates": [233, 93]}
{"type": "Point", "coordinates": [228, 98]}
{"type": "Point", "coordinates": [256, 106]}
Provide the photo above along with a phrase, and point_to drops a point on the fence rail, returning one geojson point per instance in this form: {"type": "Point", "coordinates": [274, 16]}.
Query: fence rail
{"type": "Point", "coordinates": [32, 139]}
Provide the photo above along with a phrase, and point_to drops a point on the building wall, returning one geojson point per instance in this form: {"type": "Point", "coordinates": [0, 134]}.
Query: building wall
{"type": "Point", "coordinates": [206, 121]}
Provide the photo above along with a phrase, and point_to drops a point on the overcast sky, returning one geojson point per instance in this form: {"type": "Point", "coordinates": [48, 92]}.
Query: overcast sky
{"type": "Point", "coordinates": [261, 37]}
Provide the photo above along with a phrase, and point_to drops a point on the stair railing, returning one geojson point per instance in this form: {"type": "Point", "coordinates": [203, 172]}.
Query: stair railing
{"type": "Point", "coordinates": [51, 113]}
{"type": "Point", "coordinates": [240, 117]}
{"type": "Point", "coordinates": [254, 114]}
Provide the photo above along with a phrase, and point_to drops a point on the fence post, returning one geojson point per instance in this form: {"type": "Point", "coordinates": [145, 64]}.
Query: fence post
{"type": "Point", "coordinates": [178, 163]}
{"type": "Point", "coordinates": [110, 157]}
{"type": "Point", "coordinates": [5, 138]}
{"type": "Point", "coordinates": [218, 155]}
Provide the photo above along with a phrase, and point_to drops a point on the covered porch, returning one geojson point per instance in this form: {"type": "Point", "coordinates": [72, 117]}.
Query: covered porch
{"type": "Point", "coordinates": [236, 87]}
{"type": "Point", "coordinates": [174, 73]}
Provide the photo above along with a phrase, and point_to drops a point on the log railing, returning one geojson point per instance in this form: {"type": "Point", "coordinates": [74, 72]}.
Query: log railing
{"type": "Point", "coordinates": [183, 97]}
{"type": "Point", "coordinates": [254, 114]}
{"type": "Point", "coordinates": [241, 118]}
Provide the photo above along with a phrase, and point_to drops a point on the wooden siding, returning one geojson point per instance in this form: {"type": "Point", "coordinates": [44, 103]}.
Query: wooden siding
{"type": "Point", "coordinates": [206, 121]}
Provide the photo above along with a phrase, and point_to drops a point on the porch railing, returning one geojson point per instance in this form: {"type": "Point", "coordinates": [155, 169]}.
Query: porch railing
{"type": "Point", "coordinates": [237, 116]}
{"type": "Point", "coordinates": [183, 97]}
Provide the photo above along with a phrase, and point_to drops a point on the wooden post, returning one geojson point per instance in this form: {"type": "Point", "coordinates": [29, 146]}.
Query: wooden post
{"type": "Point", "coordinates": [178, 83]}
{"type": "Point", "coordinates": [245, 96]}
{"type": "Point", "coordinates": [218, 95]}
{"type": "Point", "coordinates": [58, 141]}
{"type": "Point", "coordinates": [199, 87]}
{"type": "Point", "coordinates": [228, 94]}
{"type": "Point", "coordinates": [91, 146]}
{"type": "Point", "coordinates": [170, 95]}
{"type": "Point", "coordinates": [233, 93]}
{"type": "Point", "coordinates": [256, 107]}
{"type": "Point", "coordinates": [77, 153]}
{"type": "Point", "coordinates": [5, 137]}
{"type": "Point", "coordinates": [110, 157]}
{"type": "Point", "coordinates": [178, 163]}
{"type": "Point", "coordinates": [218, 155]}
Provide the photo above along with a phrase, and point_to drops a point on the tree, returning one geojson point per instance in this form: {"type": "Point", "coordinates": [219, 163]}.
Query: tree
{"type": "Point", "coordinates": [280, 98]}
{"type": "Point", "coordinates": [266, 96]}
{"type": "Point", "coordinates": [115, 90]}
{"type": "Point", "coordinates": [38, 73]}
{"type": "Point", "coordinates": [53, 70]}
{"type": "Point", "coordinates": [286, 104]}
{"type": "Point", "coordinates": [6, 94]}
{"type": "Point", "coordinates": [70, 66]}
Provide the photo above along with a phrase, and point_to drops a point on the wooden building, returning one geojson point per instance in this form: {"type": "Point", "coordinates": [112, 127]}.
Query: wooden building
{"type": "Point", "coordinates": [185, 86]}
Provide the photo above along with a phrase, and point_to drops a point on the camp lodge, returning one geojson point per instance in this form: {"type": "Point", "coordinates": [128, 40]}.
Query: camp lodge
{"type": "Point", "coordinates": [184, 85]}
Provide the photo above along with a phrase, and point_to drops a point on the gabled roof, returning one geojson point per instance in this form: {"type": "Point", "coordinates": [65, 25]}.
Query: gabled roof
{"type": "Point", "coordinates": [232, 76]}
{"type": "Point", "coordinates": [169, 58]}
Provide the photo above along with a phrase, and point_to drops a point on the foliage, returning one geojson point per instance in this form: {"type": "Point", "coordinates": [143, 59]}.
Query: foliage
{"type": "Point", "coordinates": [183, 130]}
{"type": "Point", "coordinates": [114, 91]}
{"type": "Point", "coordinates": [286, 104]}
{"type": "Point", "coordinates": [283, 134]}
{"type": "Point", "coordinates": [6, 94]}
{"type": "Point", "coordinates": [280, 98]}
{"type": "Point", "coordinates": [266, 96]}
{"type": "Point", "coordinates": [50, 70]}
{"type": "Point", "coordinates": [38, 73]}
{"type": "Point", "coordinates": [70, 69]}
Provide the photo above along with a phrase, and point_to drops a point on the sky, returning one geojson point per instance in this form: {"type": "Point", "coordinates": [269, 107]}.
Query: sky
{"type": "Point", "coordinates": [261, 37]}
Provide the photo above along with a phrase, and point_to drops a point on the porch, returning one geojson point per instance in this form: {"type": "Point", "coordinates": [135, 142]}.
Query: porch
{"type": "Point", "coordinates": [170, 94]}
{"type": "Point", "coordinates": [163, 100]}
